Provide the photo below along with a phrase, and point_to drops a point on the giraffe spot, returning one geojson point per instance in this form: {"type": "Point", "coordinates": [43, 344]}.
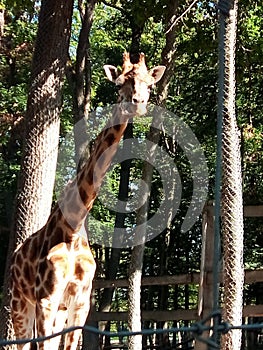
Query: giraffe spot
{"type": "Point", "coordinates": [15, 293]}
{"type": "Point", "coordinates": [110, 139]}
{"type": "Point", "coordinates": [42, 267]}
{"type": "Point", "coordinates": [117, 127]}
{"type": "Point", "coordinates": [23, 305]}
{"type": "Point", "coordinates": [40, 326]}
{"type": "Point", "coordinates": [29, 273]}
{"type": "Point", "coordinates": [38, 281]}
{"type": "Point", "coordinates": [89, 177]}
{"type": "Point", "coordinates": [71, 337]}
{"type": "Point", "coordinates": [57, 237]}
{"type": "Point", "coordinates": [14, 304]}
{"type": "Point", "coordinates": [50, 277]}
{"type": "Point", "coordinates": [83, 195]}
{"type": "Point", "coordinates": [80, 177]}
{"type": "Point", "coordinates": [22, 283]}
{"type": "Point", "coordinates": [62, 308]}
{"type": "Point", "coordinates": [34, 251]}
{"type": "Point", "coordinates": [79, 272]}
{"type": "Point", "coordinates": [72, 288]}
{"type": "Point", "coordinates": [51, 224]}
{"type": "Point", "coordinates": [59, 217]}
{"type": "Point", "coordinates": [84, 243]}
{"type": "Point", "coordinates": [45, 247]}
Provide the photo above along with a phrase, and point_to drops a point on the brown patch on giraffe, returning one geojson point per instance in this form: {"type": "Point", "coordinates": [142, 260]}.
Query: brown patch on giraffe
{"type": "Point", "coordinates": [23, 304]}
{"type": "Point", "coordinates": [34, 250]}
{"type": "Point", "coordinates": [16, 293]}
{"type": "Point", "coordinates": [29, 273]}
{"type": "Point", "coordinates": [45, 248]}
{"type": "Point", "coordinates": [72, 288]}
{"type": "Point", "coordinates": [62, 307]}
{"type": "Point", "coordinates": [57, 237]}
{"type": "Point", "coordinates": [40, 326]}
{"type": "Point", "coordinates": [83, 195]}
{"type": "Point", "coordinates": [80, 177]}
{"type": "Point", "coordinates": [22, 283]}
{"type": "Point", "coordinates": [89, 176]}
{"type": "Point", "coordinates": [42, 267]}
{"type": "Point", "coordinates": [79, 271]}
{"type": "Point", "coordinates": [14, 305]}
{"type": "Point", "coordinates": [51, 224]}
{"type": "Point", "coordinates": [71, 337]}
{"type": "Point", "coordinates": [117, 127]}
{"type": "Point", "coordinates": [110, 139]}
{"type": "Point", "coordinates": [50, 277]}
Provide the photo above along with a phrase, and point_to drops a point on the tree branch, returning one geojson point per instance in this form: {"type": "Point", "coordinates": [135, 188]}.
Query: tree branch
{"type": "Point", "coordinates": [181, 16]}
{"type": "Point", "coordinates": [116, 8]}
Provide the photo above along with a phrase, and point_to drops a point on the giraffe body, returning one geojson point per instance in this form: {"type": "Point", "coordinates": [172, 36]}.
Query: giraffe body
{"type": "Point", "coordinates": [52, 271]}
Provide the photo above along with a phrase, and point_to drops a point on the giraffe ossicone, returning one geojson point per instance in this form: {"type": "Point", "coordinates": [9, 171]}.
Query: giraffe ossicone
{"type": "Point", "coordinates": [52, 271]}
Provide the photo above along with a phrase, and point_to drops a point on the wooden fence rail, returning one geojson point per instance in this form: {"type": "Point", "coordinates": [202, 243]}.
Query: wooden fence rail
{"type": "Point", "coordinates": [204, 279]}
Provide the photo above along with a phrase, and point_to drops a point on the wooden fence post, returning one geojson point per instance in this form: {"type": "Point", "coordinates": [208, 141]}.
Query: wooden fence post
{"type": "Point", "coordinates": [206, 298]}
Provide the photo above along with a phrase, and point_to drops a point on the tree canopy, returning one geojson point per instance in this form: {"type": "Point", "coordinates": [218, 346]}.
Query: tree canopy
{"type": "Point", "coordinates": [141, 25]}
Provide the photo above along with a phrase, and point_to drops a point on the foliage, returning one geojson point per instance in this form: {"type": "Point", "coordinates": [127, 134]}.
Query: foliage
{"type": "Point", "coordinates": [192, 97]}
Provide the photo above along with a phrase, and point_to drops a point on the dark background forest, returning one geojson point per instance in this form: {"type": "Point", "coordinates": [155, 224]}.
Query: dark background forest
{"type": "Point", "coordinates": [118, 26]}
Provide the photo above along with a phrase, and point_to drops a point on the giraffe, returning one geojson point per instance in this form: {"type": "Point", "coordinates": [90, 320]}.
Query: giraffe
{"type": "Point", "coordinates": [52, 271]}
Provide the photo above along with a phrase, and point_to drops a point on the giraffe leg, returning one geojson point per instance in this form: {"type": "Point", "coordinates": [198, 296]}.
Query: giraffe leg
{"type": "Point", "coordinates": [50, 314]}
{"type": "Point", "coordinates": [78, 312]}
{"type": "Point", "coordinates": [46, 312]}
{"type": "Point", "coordinates": [23, 316]}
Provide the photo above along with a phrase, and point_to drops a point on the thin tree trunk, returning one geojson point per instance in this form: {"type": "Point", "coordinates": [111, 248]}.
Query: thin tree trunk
{"type": "Point", "coordinates": [35, 187]}
{"type": "Point", "coordinates": [135, 272]}
{"type": "Point", "coordinates": [79, 80]}
{"type": "Point", "coordinates": [113, 261]}
{"type": "Point", "coordinates": [232, 201]}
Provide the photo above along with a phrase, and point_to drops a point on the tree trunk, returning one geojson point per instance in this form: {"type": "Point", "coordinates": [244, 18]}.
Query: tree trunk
{"type": "Point", "coordinates": [135, 273]}
{"type": "Point", "coordinates": [231, 201]}
{"type": "Point", "coordinates": [35, 187]}
{"type": "Point", "coordinates": [113, 261]}
{"type": "Point", "coordinates": [79, 80]}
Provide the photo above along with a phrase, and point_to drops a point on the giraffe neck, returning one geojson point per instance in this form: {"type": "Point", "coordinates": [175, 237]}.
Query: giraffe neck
{"type": "Point", "coordinates": [79, 196]}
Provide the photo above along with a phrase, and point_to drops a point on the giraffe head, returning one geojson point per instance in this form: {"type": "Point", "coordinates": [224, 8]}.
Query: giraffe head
{"type": "Point", "coordinates": [134, 83]}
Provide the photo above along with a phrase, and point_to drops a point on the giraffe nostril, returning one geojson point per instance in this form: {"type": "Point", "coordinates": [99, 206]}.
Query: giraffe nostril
{"type": "Point", "coordinates": [137, 100]}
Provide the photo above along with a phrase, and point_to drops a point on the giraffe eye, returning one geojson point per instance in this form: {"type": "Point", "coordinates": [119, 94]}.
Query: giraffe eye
{"type": "Point", "coordinates": [119, 86]}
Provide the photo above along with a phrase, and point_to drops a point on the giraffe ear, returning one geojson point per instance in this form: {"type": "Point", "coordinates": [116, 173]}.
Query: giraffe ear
{"type": "Point", "coordinates": [111, 72]}
{"type": "Point", "coordinates": [157, 73]}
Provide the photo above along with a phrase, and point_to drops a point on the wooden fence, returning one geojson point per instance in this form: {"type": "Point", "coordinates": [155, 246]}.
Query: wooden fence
{"type": "Point", "coordinates": [204, 279]}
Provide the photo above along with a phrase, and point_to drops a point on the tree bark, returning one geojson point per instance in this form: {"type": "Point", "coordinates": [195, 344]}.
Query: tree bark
{"type": "Point", "coordinates": [35, 186]}
{"type": "Point", "coordinates": [136, 264]}
{"type": "Point", "coordinates": [231, 198]}
{"type": "Point", "coordinates": [79, 79]}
